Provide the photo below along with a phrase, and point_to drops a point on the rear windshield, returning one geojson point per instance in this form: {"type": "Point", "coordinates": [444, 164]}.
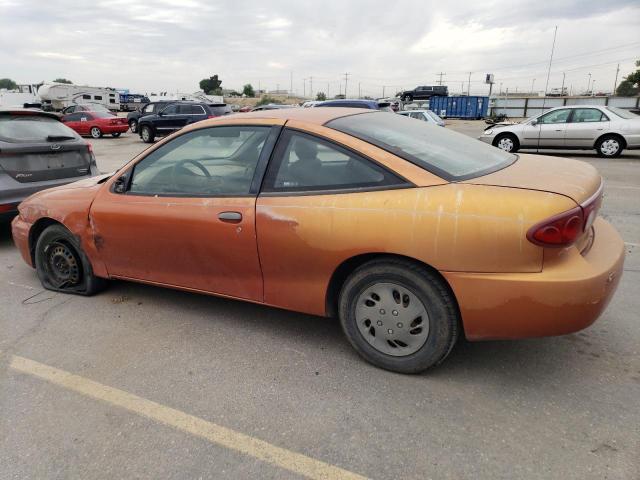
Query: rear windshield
{"type": "Point", "coordinates": [31, 128]}
{"type": "Point", "coordinates": [626, 114]}
{"type": "Point", "coordinates": [450, 155]}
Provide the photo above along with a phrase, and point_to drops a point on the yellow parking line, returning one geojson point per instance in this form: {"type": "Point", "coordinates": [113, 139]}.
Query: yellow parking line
{"type": "Point", "coordinates": [223, 436]}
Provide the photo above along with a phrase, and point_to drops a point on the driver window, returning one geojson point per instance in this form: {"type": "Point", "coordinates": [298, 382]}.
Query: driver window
{"type": "Point", "coordinates": [218, 161]}
{"type": "Point", "coordinates": [557, 116]}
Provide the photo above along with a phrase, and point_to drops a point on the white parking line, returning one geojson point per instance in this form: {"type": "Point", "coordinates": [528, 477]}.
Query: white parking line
{"type": "Point", "coordinates": [223, 436]}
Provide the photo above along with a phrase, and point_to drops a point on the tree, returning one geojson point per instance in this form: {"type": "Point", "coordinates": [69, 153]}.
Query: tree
{"type": "Point", "coordinates": [321, 97]}
{"type": "Point", "coordinates": [248, 90]}
{"type": "Point", "coordinates": [7, 83]}
{"type": "Point", "coordinates": [62, 80]}
{"type": "Point", "coordinates": [211, 85]}
{"type": "Point", "coordinates": [630, 86]}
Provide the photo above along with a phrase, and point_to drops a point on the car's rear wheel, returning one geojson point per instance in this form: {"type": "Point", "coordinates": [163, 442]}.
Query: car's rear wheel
{"type": "Point", "coordinates": [146, 133]}
{"type": "Point", "coordinates": [398, 315]}
{"type": "Point", "coordinates": [61, 264]}
{"type": "Point", "coordinates": [609, 146]}
{"type": "Point", "coordinates": [133, 125]}
{"type": "Point", "coordinates": [507, 142]}
{"type": "Point", "coordinates": [115, 134]}
{"type": "Point", "coordinates": [95, 132]}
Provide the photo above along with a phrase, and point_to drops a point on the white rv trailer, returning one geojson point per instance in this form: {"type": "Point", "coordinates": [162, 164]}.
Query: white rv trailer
{"type": "Point", "coordinates": [57, 96]}
{"type": "Point", "coordinates": [198, 96]}
{"type": "Point", "coordinates": [21, 96]}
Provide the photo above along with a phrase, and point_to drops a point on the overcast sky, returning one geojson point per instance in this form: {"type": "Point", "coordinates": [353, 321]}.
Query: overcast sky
{"type": "Point", "coordinates": [170, 45]}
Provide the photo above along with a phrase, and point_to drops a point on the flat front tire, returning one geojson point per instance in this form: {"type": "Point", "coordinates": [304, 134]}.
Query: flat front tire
{"type": "Point", "coordinates": [399, 315]}
{"type": "Point", "coordinates": [61, 264]}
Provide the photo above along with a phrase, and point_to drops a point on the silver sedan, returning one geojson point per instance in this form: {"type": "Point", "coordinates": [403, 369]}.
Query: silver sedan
{"type": "Point", "coordinates": [608, 130]}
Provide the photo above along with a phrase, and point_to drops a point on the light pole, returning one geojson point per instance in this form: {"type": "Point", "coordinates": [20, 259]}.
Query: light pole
{"type": "Point", "coordinates": [593, 88]}
{"type": "Point", "coordinates": [562, 89]}
{"type": "Point", "coordinates": [533, 82]}
{"type": "Point", "coordinates": [469, 85]}
{"type": "Point", "coordinates": [588, 83]}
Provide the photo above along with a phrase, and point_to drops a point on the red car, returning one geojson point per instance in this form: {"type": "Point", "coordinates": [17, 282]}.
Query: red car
{"type": "Point", "coordinates": [96, 124]}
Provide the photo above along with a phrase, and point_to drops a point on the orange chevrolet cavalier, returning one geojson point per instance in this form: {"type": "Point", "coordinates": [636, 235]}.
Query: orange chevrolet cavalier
{"type": "Point", "coordinates": [410, 233]}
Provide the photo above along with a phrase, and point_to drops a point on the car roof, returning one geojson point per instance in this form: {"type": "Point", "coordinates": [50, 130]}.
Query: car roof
{"type": "Point", "coordinates": [29, 112]}
{"type": "Point", "coordinates": [338, 101]}
{"type": "Point", "coordinates": [318, 116]}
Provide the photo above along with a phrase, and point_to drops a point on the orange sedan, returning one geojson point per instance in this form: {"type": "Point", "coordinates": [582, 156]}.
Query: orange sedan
{"type": "Point", "coordinates": [410, 233]}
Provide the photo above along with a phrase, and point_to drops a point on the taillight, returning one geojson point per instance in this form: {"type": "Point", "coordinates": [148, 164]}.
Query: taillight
{"type": "Point", "coordinates": [211, 116]}
{"type": "Point", "coordinates": [558, 231]}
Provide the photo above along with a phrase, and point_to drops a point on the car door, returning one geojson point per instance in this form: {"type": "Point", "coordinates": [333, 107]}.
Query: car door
{"type": "Point", "coordinates": [84, 123]}
{"type": "Point", "coordinates": [550, 129]}
{"type": "Point", "coordinates": [166, 120]}
{"type": "Point", "coordinates": [184, 215]}
{"type": "Point", "coordinates": [585, 126]}
{"type": "Point", "coordinates": [305, 216]}
{"type": "Point", "coordinates": [72, 121]}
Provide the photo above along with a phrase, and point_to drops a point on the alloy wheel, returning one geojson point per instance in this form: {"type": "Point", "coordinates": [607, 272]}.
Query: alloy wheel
{"type": "Point", "coordinates": [505, 144]}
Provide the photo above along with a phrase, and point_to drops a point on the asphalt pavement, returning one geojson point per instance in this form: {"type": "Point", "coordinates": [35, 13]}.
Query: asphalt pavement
{"type": "Point", "coordinates": [144, 382]}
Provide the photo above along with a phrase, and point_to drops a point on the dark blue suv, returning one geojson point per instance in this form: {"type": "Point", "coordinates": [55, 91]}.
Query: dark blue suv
{"type": "Point", "coordinates": [176, 115]}
{"type": "Point", "coordinates": [357, 103]}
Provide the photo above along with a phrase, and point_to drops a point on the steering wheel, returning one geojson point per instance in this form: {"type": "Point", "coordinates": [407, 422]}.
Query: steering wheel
{"type": "Point", "coordinates": [192, 162]}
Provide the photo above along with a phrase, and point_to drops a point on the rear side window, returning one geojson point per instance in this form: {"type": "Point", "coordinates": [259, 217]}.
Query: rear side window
{"type": "Point", "coordinates": [86, 97]}
{"type": "Point", "coordinates": [29, 128]}
{"type": "Point", "coordinates": [171, 110]}
{"type": "Point", "coordinates": [97, 97]}
{"type": "Point", "coordinates": [448, 154]}
{"type": "Point", "coordinates": [581, 115]}
{"type": "Point", "coordinates": [306, 163]}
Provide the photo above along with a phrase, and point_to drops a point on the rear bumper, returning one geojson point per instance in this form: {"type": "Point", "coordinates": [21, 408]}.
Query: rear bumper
{"type": "Point", "coordinates": [115, 128]}
{"type": "Point", "coordinates": [14, 192]}
{"type": "Point", "coordinates": [569, 294]}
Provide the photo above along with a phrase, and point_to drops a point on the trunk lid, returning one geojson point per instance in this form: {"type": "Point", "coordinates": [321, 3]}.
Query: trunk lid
{"type": "Point", "coordinates": [39, 162]}
{"type": "Point", "coordinates": [571, 178]}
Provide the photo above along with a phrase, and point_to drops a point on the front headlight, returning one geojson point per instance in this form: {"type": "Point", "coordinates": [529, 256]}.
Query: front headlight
{"type": "Point", "coordinates": [488, 132]}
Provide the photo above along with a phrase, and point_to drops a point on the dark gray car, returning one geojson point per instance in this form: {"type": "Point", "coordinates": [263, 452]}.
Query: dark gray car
{"type": "Point", "coordinates": [37, 151]}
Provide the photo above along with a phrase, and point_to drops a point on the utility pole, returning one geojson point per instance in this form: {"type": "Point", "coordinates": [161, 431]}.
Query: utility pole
{"type": "Point", "coordinates": [533, 82]}
{"type": "Point", "coordinates": [382, 91]}
{"type": "Point", "coordinates": [562, 89]}
{"type": "Point", "coordinates": [346, 80]}
{"type": "Point", "coordinates": [359, 91]}
{"type": "Point", "coordinates": [304, 88]}
{"type": "Point", "coordinates": [311, 87]}
{"type": "Point", "coordinates": [469, 85]}
{"type": "Point", "coordinates": [291, 83]}
{"type": "Point", "coordinates": [615, 83]}
{"type": "Point", "coordinates": [441, 74]}
{"type": "Point", "coordinates": [327, 90]}
{"type": "Point", "coordinates": [588, 84]}
{"type": "Point", "coordinates": [593, 88]}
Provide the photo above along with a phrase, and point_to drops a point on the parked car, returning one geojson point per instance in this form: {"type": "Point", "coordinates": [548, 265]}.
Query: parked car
{"type": "Point", "coordinates": [424, 115]}
{"type": "Point", "coordinates": [424, 93]}
{"type": "Point", "coordinates": [38, 151]}
{"type": "Point", "coordinates": [357, 103]}
{"type": "Point", "coordinates": [147, 109]}
{"type": "Point", "coordinates": [86, 107]}
{"type": "Point", "coordinates": [411, 234]}
{"type": "Point", "coordinates": [608, 130]}
{"type": "Point", "coordinates": [172, 117]}
{"type": "Point", "coordinates": [270, 106]}
{"type": "Point", "coordinates": [96, 124]}
{"type": "Point", "coordinates": [220, 109]}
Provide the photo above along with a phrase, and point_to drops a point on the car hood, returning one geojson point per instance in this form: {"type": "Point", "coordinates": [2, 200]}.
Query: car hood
{"type": "Point", "coordinates": [571, 178]}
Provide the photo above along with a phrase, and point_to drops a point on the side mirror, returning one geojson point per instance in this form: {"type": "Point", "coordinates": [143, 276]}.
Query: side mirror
{"type": "Point", "coordinates": [534, 122]}
{"type": "Point", "coordinates": [120, 185]}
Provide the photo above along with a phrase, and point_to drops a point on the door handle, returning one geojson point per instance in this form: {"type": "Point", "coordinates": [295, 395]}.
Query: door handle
{"type": "Point", "coordinates": [230, 217]}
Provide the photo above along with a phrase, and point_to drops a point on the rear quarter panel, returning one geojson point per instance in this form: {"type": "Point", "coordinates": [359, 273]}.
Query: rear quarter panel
{"type": "Point", "coordinates": [454, 227]}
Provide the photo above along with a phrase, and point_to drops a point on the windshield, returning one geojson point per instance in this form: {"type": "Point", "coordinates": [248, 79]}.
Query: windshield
{"type": "Point", "coordinates": [448, 154]}
{"type": "Point", "coordinates": [26, 128]}
{"type": "Point", "coordinates": [627, 115]}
